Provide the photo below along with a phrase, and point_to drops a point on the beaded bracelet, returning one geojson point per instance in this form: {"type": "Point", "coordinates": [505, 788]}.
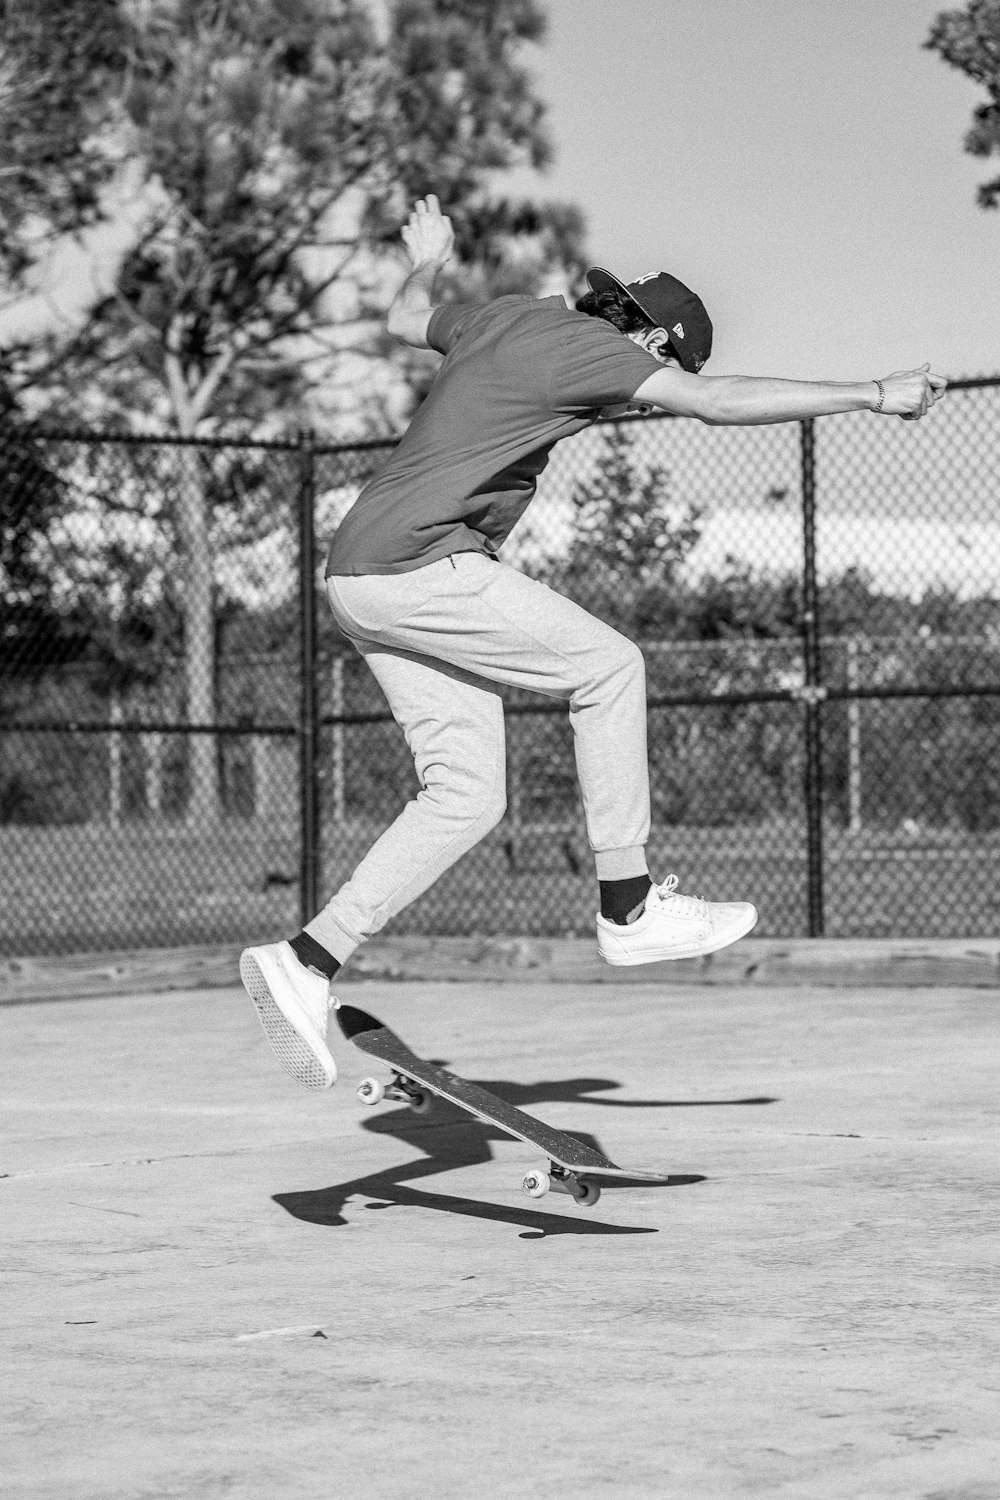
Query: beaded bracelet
{"type": "Point", "coordinates": [881, 396]}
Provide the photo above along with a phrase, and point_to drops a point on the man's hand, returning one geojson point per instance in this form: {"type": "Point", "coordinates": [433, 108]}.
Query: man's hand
{"type": "Point", "coordinates": [428, 235]}
{"type": "Point", "coordinates": [910, 394]}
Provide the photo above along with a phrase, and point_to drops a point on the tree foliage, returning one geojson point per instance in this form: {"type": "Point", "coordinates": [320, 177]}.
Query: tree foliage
{"type": "Point", "coordinates": [969, 39]}
{"type": "Point", "coordinates": [279, 145]}
{"type": "Point", "coordinates": [629, 538]}
{"type": "Point", "coordinates": [58, 62]}
{"type": "Point", "coordinates": [282, 142]}
{"type": "Point", "coordinates": [33, 632]}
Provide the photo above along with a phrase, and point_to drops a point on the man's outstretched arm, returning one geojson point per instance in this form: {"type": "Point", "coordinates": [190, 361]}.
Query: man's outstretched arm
{"type": "Point", "coordinates": [428, 237]}
{"type": "Point", "coordinates": [746, 400]}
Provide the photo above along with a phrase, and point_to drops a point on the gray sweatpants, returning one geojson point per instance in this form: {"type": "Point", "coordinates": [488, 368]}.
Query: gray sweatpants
{"type": "Point", "coordinates": [438, 639]}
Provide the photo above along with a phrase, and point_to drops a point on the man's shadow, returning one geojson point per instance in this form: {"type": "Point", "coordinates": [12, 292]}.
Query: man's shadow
{"type": "Point", "coordinates": [448, 1138]}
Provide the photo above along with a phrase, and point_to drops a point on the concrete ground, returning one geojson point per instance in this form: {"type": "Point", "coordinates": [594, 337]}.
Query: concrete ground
{"type": "Point", "coordinates": [219, 1284]}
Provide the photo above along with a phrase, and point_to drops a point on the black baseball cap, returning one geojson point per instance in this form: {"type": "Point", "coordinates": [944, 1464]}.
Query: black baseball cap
{"type": "Point", "coordinates": [671, 305]}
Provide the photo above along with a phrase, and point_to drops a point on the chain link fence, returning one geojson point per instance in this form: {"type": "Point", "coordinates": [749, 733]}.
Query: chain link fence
{"type": "Point", "coordinates": [191, 753]}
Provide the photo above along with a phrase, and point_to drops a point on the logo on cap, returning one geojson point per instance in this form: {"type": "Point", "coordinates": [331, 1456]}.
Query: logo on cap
{"type": "Point", "coordinates": [649, 276]}
{"type": "Point", "coordinates": [678, 328]}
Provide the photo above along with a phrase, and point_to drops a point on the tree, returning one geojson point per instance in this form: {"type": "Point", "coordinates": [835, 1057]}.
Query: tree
{"type": "Point", "coordinates": [285, 142]}
{"type": "Point", "coordinates": [629, 538]}
{"type": "Point", "coordinates": [969, 39]}
{"type": "Point", "coordinates": [56, 63]}
{"type": "Point", "coordinates": [282, 142]}
{"type": "Point", "coordinates": [32, 630]}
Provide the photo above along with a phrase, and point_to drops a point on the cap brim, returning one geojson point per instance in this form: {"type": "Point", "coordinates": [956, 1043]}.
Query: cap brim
{"type": "Point", "coordinates": [600, 280]}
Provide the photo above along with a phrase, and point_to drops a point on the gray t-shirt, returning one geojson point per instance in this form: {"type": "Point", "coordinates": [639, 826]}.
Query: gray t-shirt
{"type": "Point", "coordinates": [518, 375]}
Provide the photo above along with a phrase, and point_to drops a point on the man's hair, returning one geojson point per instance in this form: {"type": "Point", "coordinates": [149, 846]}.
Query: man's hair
{"type": "Point", "coordinates": [615, 308]}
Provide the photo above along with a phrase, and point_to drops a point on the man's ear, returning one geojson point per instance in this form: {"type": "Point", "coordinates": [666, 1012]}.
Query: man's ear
{"type": "Point", "coordinates": [656, 340]}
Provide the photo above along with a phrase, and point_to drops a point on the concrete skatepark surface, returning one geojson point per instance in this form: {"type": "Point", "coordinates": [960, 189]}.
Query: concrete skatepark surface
{"type": "Point", "coordinates": [222, 1285]}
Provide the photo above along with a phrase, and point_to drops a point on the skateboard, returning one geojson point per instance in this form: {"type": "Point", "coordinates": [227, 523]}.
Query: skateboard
{"type": "Point", "coordinates": [572, 1166]}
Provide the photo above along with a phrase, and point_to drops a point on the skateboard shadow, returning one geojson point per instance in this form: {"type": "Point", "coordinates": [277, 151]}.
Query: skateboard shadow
{"type": "Point", "coordinates": [326, 1206]}
{"type": "Point", "coordinates": [449, 1139]}
{"type": "Point", "coordinates": [452, 1138]}
{"type": "Point", "coordinates": [581, 1090]}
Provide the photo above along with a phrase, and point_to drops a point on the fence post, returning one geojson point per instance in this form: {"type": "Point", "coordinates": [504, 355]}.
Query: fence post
{"type": "Point", "coordinates": [308, 688]}
{"type": "Point", "coordinates": [813, 692]}
{"type": "Point", "coordinates": [339, 762]}
{"type": "Point", "coordinates": [115, 761]}
{"type": "Point", "coordinates": [853, 678]}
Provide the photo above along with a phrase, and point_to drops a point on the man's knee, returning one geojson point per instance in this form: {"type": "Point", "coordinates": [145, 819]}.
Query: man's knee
{"type": "Point", "coordinates": [631, 662]}
{"type": "Point", "coordinates": [468, 795]}
{"type": "Point", "coordinates": [493, 808]}
{"type": "Point", "coordinates": [484, 800]}
{"type": "Point", "coordinates": [625, 666]}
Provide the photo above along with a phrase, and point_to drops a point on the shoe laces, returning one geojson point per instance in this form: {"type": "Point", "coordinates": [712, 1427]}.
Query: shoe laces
{"type": "Point", "coordinates": [691, 907]}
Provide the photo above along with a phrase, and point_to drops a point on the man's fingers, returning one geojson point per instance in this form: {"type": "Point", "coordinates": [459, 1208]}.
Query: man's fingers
{"type": "Point", "coordinates": [428, 234]}
{"type": "Point", "coordinates": [919, 389]}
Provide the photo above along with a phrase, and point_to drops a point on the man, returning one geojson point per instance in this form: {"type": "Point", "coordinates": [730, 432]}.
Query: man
{"type": "Point", "coordinates": [414, 581]}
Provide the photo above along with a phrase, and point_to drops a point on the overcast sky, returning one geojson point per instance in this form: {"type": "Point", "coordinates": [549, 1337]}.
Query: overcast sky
{"type": "Point", "coordinates": [798, 162]}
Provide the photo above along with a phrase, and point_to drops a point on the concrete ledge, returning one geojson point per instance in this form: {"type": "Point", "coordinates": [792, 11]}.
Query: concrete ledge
{"type": "Point", "coordinates": [761, 962]}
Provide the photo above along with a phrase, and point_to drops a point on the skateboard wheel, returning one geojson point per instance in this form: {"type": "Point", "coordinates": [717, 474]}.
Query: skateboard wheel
{"type": "Point", "coordinates": [536, 1184]}
{"type": "Point", "coordinates": [421, 1102]}
{"type": "Point", "coordinates": [371, 1091]}
{"type": "Point", "coordinates": [587, 1193]}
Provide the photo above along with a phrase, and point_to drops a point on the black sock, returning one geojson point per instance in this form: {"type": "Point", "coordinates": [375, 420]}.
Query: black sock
{"type": "Point", "coordinates": [621, 897]}
{"type": "Point", "coordinates": [313, 955]}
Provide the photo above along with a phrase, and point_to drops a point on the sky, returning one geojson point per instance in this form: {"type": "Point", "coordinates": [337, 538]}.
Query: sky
{"type": "Point", "coordinates": [799, 163]}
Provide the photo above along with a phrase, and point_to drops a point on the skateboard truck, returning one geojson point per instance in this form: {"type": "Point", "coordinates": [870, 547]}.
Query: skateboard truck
{"type": "Point", "coordinates": [373, 1091]}
{"type": "Point", "coordinates": [537, 1183]}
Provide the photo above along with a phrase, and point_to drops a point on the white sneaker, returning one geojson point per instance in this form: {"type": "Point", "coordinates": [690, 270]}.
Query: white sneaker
{"type": "Point", "coordinates": [294, 1005]}
{"type": "Point", "coordinates": [674, 926]}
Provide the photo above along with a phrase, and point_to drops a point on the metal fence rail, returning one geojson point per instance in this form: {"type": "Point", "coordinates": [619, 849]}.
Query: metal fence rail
{"type": "Point", "coordinates": [190, 752]}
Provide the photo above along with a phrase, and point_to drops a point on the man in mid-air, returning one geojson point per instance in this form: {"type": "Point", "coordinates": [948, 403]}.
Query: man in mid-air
{"type": "Point", "coordinates": [414, 581]}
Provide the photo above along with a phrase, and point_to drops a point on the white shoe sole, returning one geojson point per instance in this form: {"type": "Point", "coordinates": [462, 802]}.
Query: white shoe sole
{"type": "Point", "coordinates": [693, 950]}
{"type": "Point", "coordinates": [289, 1046]}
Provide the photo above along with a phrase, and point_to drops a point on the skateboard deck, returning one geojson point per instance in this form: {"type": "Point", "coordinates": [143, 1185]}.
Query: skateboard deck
{"type": "Point", "coordinates": [573, 1166]}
